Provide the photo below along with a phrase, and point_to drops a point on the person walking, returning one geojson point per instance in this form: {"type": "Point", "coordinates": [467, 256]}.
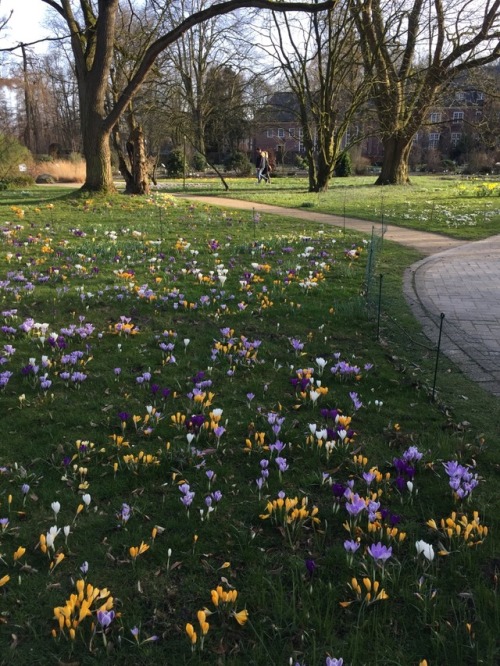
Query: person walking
{"type": "Point", "coordinates": [261, 165]}
{"type": "Point", "coordinates": [266, 174]}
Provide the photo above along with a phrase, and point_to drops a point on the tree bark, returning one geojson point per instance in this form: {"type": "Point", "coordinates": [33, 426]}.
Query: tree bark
{"type": "Point", "coordinates": [395, 170]}
{"type": "Point", "coordinates": [97, 153]}
{"type": "Point", "coordinates": [139, 162]}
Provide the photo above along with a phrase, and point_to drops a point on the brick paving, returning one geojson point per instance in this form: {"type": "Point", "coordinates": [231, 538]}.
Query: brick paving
{"type": "Point", "coordinates": [457, 279]}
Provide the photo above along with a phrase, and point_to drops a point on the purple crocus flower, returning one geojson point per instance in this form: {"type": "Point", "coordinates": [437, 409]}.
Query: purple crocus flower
{"type": "Point", "coordinates": [310, 566]}
{"type": "Point", "coordinates": [351, 546]}
{"type": "Point", "coordinates": [355, 504]}
{"type": "Point", "coordinates": [282, 464]}
{"type": "Point", "coordinates": [355, 400]}
{"type": "Point", "coordinates": [105, 617]}
{"type": "Point", "coordinates": [379, 552]}
{"type": "Point", "coordinates": [338, 490]}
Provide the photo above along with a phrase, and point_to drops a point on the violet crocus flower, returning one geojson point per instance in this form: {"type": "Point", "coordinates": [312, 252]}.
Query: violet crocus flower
{"type": "Point", "coordinates": [355, 400]}
{"type": "Point", "coordinates": [355, 505]}
{"type": "Point", "coordinates": [105, 617]}
{"type": "Point", "coordinates": [351, 546]}
{"type": "Point", "coordinates": [368, 477]}
{"type": "Point", "coordinates": [412, 455]}
{"type": "Point", "coordinates": [297, 345]}
{"type": "Point", "coordinates": [379, 552]}
{"type": "Point", "coordinates": [462, 480]}
{"type": "Point", "coordinates": [282, 464]}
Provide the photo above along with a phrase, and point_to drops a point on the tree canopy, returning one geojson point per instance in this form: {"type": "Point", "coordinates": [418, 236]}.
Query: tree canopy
{"type": "Point", "coordinates": [92, 31]}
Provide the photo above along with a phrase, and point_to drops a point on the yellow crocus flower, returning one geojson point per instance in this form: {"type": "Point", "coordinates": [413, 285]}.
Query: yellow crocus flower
{"type": "Point", "coordinates": [241, 617]}
{"type": "Point", "coordinates": [191, 633]}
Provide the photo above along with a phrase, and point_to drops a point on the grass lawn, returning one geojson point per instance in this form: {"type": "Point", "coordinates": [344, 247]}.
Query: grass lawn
{"type": "Point", "coordinates": [462, 208]}
{"type": "Point", "coordinates": [208, 456]}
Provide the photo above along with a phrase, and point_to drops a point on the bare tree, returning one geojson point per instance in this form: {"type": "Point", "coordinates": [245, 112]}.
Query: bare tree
{"type": "Point", "coordinates": [415, 49]}
{"type": "Point", "coordinates": [321, 61]}
{"type": "Point", "coordinates": [92, 28]}
{"type": "Point", "coordinates": [198, 55]}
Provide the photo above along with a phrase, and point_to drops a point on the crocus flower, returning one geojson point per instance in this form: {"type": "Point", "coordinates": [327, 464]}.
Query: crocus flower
{"type": "Point", "coordinates": [310, 566]}
{"type": "Point", "coordinates": [56, 507]}
{"type": "Point", "coordinates": [379, 552]}
{"type": "Point", "coordinates": [426, 549]}
{"type": "Point", "coordinates": [105, 617]}
{"type": "Point", "coordinates": [351, 546]}
{"type": "Point", "coordinates": [355, 504]}
{"type": "Point", "coordinates": [241, 617]}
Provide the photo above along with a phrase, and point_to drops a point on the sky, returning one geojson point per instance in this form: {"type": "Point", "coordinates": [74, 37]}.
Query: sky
{"type": "Point", "coordinates": [24, 26]}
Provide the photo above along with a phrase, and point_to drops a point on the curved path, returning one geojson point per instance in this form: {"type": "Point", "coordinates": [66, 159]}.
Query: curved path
{"type": "Point", "coordinates": [457, 279]}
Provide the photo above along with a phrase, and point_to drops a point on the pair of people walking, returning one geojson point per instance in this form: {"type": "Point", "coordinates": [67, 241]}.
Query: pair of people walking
{"type": "Point", "coordinates": [262, 166]}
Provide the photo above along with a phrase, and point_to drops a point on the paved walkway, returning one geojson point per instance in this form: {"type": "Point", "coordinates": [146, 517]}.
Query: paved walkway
{"type": "Point", "coordinates": [458, 279]}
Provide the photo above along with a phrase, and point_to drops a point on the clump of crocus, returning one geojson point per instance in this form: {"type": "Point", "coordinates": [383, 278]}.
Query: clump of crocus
{"type": "Point", "coordinates": [367, 594]}
{"type": "Point", "coordinates": [135, 551]}
{"type": "Point", "coordinates": [460, 530]}
{"type": "Point", "coordinates": [224, 602]}
{"type": "Point", "coordinates": [462, 480]}
{"type": "Point", "coordinates": [87, 601]}
{"type": "Point", "coordinates": [292, 514]}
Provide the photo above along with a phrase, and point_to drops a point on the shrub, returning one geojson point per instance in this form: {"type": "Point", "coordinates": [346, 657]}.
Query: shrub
{"type": "Point", "coordinates": [174, 163]}
{"type": "Point", "coordinates": [199, 162]}
{"type": "Point", "coordinates": [12, 154]}
{"type": "Point", "coordinates": [343, 166]}
{"type": "Point", "coordinates": [240, 163]}
{"type": "Point", "coordinates": [362, 166]}
{"type": "Point", "coordinates": [22, 180]}
{"type": "Point", "coordinates": [301, 162]}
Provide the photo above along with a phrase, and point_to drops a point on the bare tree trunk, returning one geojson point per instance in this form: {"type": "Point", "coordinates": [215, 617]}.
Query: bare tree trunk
{"type": "Point", "coordinates": [395, 170]}
{"type": "Point", "coordinates": [97, 153]}
{"type": "Point", "coordinates": [123, 163]}
{"type": "Point", "coordinates": [138, 161]}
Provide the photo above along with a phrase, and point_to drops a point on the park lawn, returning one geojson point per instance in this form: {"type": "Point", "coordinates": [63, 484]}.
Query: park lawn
{"type": "Point", "coordinates": [198, 415]}
{"type": "Point", "coordinates": [465, 208]}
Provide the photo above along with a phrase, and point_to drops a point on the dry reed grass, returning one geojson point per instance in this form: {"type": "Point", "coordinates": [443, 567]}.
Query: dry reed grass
{"type": "Point", "coordinates": [63, 171]}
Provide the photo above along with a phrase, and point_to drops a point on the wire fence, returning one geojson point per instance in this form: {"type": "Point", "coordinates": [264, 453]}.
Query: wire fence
{"type": "Point", "coordinates": [416, 345]}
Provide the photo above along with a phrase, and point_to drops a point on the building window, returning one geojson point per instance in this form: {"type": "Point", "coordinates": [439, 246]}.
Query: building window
{"type": "Point", "coordinates": [479, 96]}
{"type": "Point", "coordinates": [434, 139]}
{"type": "Point", "coordinates": [455, 138]}
{"type": "Point", "coordinates": [269, 133]}
{"type": "Point", "coordinates": [291, 131]}
{"type": "Point", "coordinates": [416, 138]}
{"type": "Point", "coordinates": [458, 115]}
{"type": "Point", "coordinates": [281, 132]}
{"type": "Point", "coordinates": [460, 96]}
{"type": "Point", "coordinates": [435, 117]}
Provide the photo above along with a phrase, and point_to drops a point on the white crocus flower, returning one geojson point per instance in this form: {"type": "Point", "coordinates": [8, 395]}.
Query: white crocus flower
{"type": "Point", "coordinates": [426, 549]}
{"type": "Point", "coordinates": [56, 507]}
{"type": "Point", "coordinates": [51, 536]}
